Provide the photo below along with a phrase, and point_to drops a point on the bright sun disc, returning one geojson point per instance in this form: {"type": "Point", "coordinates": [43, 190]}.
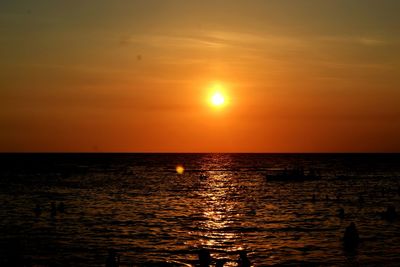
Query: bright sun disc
{"type": "Point", "coordinates": [217, 99]}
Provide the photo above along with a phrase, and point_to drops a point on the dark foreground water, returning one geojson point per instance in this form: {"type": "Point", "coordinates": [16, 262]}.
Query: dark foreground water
{"type": "Point", "coordinates": [139, 205]}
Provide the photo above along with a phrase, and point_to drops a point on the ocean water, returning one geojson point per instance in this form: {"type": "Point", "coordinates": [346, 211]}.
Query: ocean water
{"type": "Point", "coordinates": [140, 206]}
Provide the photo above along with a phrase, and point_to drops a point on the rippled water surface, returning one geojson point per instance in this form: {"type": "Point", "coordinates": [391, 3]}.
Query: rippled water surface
{"type": "Point", "coordinates": [139, 205]}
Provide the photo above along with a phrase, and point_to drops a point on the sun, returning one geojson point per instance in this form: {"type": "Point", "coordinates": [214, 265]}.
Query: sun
{"type": "Point", "coordinates": [218, 99]}
{"type": "Point", "coordinates": [217, 96]}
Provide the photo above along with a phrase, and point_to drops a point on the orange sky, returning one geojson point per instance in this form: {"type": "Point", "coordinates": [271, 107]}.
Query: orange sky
{"type": "Point", "coordinates": [136, 76]}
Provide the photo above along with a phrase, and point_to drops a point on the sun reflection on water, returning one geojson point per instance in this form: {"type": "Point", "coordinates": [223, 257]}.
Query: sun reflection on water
{"type": "Point", "coordinates": [220, 209]}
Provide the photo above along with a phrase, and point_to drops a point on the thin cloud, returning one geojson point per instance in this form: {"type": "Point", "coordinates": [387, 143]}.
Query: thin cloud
{"type": "Point", "coordinates": [212, 39]}
{"type": "Point", "coordinates": [367, 41]}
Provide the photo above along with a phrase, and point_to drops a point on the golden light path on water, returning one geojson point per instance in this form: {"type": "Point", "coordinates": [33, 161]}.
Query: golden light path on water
{"type": "Point", "coordinates": [220, 210]}
{"type": "Point", "coordinates": [217, 211]}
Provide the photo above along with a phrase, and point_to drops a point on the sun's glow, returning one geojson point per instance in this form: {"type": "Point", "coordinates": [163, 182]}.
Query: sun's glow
{"type": "Point", "coordinates": [180, 169]}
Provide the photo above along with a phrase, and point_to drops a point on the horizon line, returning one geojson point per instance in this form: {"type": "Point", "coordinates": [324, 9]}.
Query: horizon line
{"type": "Point", "coordinates": [177, 152]}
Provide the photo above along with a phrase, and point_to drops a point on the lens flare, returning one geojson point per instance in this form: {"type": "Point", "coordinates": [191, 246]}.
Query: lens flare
{"type": "Point", "coordinates": [180, 169]}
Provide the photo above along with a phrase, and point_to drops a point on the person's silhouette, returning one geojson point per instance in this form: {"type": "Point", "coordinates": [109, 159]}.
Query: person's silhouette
{"type": "Point", "coordinates": [351, 238]}
{"type": "Point", "coordinates": [243, 259]}
{"type": "Point", "coordinates": [204, 257]}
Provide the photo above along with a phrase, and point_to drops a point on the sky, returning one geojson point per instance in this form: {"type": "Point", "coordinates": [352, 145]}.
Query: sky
{"type": "Point", "coordinates": [136, 76]}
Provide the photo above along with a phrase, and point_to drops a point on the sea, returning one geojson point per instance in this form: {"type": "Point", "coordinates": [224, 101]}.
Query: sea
{"type": "Point", "coordinates": [139, 206]}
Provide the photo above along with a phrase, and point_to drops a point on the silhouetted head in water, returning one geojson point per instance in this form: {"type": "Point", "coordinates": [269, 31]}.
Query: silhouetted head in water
{"type": "Point", "coordinates": [243, 259]}
{"type": "Point", "coordinates": [360, 199]}
{"type": "Point", "coordinates": [61, 207]}
{"type": "Point", "coordinates": [351, 238]}
{"type": "Point", "coordinates": [390, 213]}
{"type": "Point", "coordinates": [112, 258]}
{"type": "Point", "coordinates": [220, 263]}
{"type": "Point", "coordinates": [341, 213]}
{"type": "Point", "coordinates": [37, 210]}
{"type": "Point", "coordinates": [204, 257]}
{"type": "Point", "coordinates": [53, 210]}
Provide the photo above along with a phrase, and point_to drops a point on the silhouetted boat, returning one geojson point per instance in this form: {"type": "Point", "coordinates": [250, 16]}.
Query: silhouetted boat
{"type": "Point", "coordinates": [297, 174]}
{"type": "Point", "coordinates": [203, 176]}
